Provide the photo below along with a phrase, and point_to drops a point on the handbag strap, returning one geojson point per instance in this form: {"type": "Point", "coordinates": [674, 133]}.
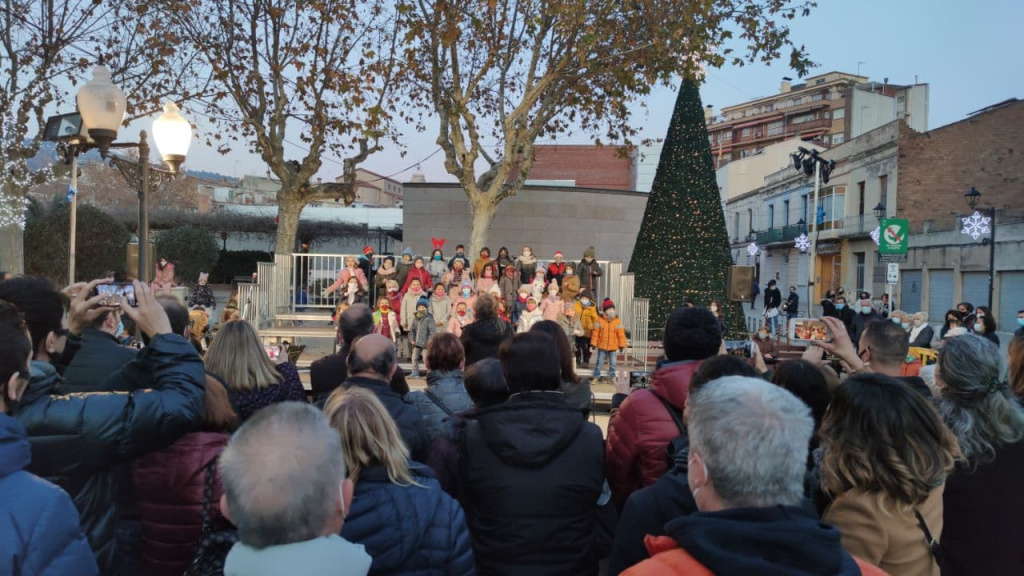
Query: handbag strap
{"type": "Point", "coordinates": [437, 401]}
{"type": "Point", "coordinates": [934, 545]}
{"type": "Point", "coordinates": [211, 475]}
{"type": "Point", "coordinates": [676, 416]}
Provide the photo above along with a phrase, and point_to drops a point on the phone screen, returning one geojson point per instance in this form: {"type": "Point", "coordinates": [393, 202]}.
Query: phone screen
{"type": "Point", "coordinates": [117, 290]}
{"type": "Point", "coordinates": [808, 330]}
{"type": "Point", "coordinates": [273, 352]}
{"type": "Point", "coordinates": [741, 348]}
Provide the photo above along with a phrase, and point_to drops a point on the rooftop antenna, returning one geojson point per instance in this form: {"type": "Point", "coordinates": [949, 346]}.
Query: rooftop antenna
{"type": "Point", "coordinates": [859, 64]}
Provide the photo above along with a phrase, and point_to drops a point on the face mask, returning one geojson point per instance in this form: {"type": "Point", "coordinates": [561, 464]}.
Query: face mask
{"type": "Point", "coordinates": [414, 288]}
{"type": "Point", "coordinates": [392, 291]}
{"type": "Point", "coordinates": [120, 330]}
{"type": "Point", "coordinates": [568, 272]}
{"type": "Point", "coordinates": [905, 325]}
{"type": "Point", "coordinates": [585, 301]}
{"type": "Point", "coordinates": [531, 306]}
{"type": "Point", "coordinates": [353, 287]}
{"type": "Point", "coordinates": [437, 256]}
{"type": "Point", "coordinates": [979, 327]}
{"type": "Point", "coordinates": [523, 297]}
{"type": "Point", "coordinates": [918, 323]}
{"type": "Point", "coordinates": [840, 306]}
{"type": "Point", "coordinates": [527, 253]}
{"type": "Point", "coordinates": [553, 292]}
{"type": "Point", "coordinates": [762, 335]}
{"type": "Point", "coordinates": [610, 313]}
{"type": "Point", "coordinates": [421, 313]}
{"type": "Point", "coordinates": [714, 308]}
{"type": "Point", "coordinates": [466, 293]}
{"type": "Point", "coordinates": [1020, 322]}
{"type": "Point", "coordinates": [462, 312]}
{"type": "Point", "coordinates": [895, 320]}
{"type": "Point", "coordinates": [865, 310]}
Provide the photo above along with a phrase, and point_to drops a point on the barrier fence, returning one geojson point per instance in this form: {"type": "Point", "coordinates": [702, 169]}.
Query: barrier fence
{"type": "Point", "coordinates": [638, 336]}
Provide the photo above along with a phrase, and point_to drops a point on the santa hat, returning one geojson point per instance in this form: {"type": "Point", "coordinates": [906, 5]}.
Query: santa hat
{"type": "Point", "coordinates": [607, 304]}
{"type": "Point", "coordinates": [367, 250]}
{"type": "Point", "coordinates": [558, 253]}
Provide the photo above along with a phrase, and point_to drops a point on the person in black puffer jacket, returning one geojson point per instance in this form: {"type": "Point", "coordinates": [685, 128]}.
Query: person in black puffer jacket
{"type": "Point", "coordinates": [532, 472]}
{"type": "Point", "coordinates": [254, 381]}
{"type": "Point", "coordinates": [482, 338]}
{"type": "Point", "coordinates": [407, 523]}
{"type": "Point", "coordinates": [101, 355]}
{"type": "Point", "coordinates": [78, 441]}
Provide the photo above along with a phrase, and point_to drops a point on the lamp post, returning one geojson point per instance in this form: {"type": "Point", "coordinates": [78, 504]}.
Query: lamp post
{"type": "Point", "coordinates": [880, 215]}
{"type": "Point", "coordinates": [812, 164]}
{"type": "Point", "coordinates": [102, 106]}
{"type": "Point", "coordinates": [973, 197]}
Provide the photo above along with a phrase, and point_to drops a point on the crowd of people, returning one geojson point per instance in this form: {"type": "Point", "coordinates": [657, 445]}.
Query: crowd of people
{"type": "Point", "coordinates": [161, 461]}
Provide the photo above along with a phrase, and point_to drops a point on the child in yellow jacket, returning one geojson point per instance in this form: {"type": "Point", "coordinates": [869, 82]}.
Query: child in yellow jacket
{"type": "Point", "coordinates": [586, 310]}
{"type": "Point", "coordinates": [609, 337]}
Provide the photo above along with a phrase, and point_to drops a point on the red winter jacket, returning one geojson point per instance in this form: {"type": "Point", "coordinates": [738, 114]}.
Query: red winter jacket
{"type": "Point", "coordinates": [420, 274]}
{"type": "Point", "coordinates": [169, 486]}
{"type": "Point", "coordinates": [639, 434]}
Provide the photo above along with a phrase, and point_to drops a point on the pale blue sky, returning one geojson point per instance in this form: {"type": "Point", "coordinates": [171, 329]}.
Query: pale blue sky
{"type": "Point", "coordinates": [971, 53]}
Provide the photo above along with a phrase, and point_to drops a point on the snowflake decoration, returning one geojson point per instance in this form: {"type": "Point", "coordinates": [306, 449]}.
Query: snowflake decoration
{"type": "Point", "coordinates": [752, 249]}
{"type": "Point", "coordinates": [876, 234]}
{"type": "Point", "coordinates": [803, 242]}
{"type": "Point", "coordinates": [975, 225]}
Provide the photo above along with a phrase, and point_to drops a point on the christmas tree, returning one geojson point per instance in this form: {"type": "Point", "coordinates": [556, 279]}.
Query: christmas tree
{"type": "Point", "coordinates": [682, 251]}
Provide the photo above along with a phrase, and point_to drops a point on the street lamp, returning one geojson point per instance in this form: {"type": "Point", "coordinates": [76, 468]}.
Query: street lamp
{"type": "Point", "coordinates": [811, 163]}
{"type": "Point", "coordinates": [976, 225]}
{"type": "Point", "coordinates": [102, 106]}
{"type": "Point", "coordinates": [880, 211]}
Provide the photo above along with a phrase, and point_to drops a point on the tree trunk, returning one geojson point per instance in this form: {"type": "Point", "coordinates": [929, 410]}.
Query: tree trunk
{"type": "Point", "coordinates": [12, 249]}
{"type": "Point", "coordinates": [289, 209]}
{"type": "Point", "coordinates": [483, 213]}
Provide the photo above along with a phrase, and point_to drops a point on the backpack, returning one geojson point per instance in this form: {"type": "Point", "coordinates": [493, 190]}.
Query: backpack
{"type": "Point", "coordinates": [680, 442]}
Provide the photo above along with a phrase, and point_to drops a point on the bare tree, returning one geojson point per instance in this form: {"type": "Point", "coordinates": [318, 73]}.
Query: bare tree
{"type": "Point", "coordinates": [317, 74]}
{"type": "Point", "coordinates": [46, 48]}
{"type": "Point", "coordinates": [515, 71]}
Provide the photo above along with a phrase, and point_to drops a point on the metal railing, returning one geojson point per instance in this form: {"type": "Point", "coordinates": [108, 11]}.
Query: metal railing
{"type": "Point", "coordinates": [626, 283]}
{"type": "Point", "coordinates": [248, 301]}
{"type": "Point", "coordinates": [610, 283]}
{"type": "Point", "coordinates": [265, 284]}
{"type": "Point", "coordinates": [638, 337]}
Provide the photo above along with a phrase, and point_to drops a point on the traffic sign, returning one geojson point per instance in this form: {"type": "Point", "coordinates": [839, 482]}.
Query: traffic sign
{"type": "Point", "coordinates": [897, 258]}
{"type": "Point", "coordinates": [892, 274]}
{"type": "Point", "coordinates": [894, 237]}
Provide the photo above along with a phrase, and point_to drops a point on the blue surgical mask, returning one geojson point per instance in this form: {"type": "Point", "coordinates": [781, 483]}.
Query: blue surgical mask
{"type": "Point", "coordinates": [466, 293]}
{"type": "Point", "coordinates": [840, 306]}
{"type": "Point", "coordinates": [437, 256]}
{"type": "Point", "coordinates": [120, 330]}
{"type": "Point", "coordinates": [1020, 322]}
{"type": "Point", "coordinates": [895, 320]}
{"type": "Point", "coordinates": [586, 302]}
{"type": "Point", "coordinates": [865, 309]}
{"type": "Point", "coordinates": [906, 326]}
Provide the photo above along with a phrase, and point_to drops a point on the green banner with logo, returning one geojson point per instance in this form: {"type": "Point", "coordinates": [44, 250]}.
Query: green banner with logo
{"type": "Point", "coordinates": [893, 236]}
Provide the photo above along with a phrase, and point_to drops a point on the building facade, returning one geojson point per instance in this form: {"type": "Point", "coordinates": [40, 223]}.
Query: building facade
{"type": "Point", "coordinates": [826, 110]}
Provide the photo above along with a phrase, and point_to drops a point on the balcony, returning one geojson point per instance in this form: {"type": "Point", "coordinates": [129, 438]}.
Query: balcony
{"type": "Point", "coordinates": [780, 235]}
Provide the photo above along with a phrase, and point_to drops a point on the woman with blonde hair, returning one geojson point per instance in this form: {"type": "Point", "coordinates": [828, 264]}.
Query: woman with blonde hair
{"type": "Point", "coordinates": [886, 455]}
{"type": "Point", "coordinates": [255, 376]}
{"type": "Point", "coordinates": [400, 514]}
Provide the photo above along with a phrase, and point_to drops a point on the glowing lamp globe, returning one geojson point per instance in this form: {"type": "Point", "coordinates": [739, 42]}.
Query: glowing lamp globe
{"type": "Point", "coordinates": [102, 106]}
{"type": "Point", "coordinates": [173, 136]}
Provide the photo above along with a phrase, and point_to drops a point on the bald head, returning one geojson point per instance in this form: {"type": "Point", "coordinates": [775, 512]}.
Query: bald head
{"type": "Point", "coordinates": [372, 356]}
{"type": "Point", "coordinates": [281, 475]}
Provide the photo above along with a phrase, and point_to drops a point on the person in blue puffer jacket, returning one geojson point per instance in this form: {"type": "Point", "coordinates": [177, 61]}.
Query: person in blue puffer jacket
{"type": "Point", "coordinates": [400, 514]}
{"type": "Point", "coordinates": [39, 531]}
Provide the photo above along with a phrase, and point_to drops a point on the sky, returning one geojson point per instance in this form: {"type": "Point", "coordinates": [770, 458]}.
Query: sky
{"type": "Point", "coordinates": [968, 52]}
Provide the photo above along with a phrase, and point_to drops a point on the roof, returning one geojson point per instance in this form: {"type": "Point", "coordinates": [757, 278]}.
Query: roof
{"type": "Point", "coordinates": [993, 107]}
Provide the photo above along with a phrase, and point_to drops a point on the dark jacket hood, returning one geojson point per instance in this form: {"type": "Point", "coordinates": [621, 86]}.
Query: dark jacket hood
{"type": "Point", "coordinates": [15, 453]}
{"type": "Point", "coordinates": [530, 429]}
{"type": "Point", "coordinates": [491, 331]}
{"type": "Point", "coordinates": [781, 540]}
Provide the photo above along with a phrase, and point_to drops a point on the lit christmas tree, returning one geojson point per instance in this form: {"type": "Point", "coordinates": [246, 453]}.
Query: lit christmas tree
{"type": "Point", "coordinates": [682, 250]}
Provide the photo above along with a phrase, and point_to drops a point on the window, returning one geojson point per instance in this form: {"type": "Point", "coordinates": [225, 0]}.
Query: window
{"type": "Point", "coordinates": [832, 207]}
{"type": "Point", "coordinates": [803, 118]}
{"type": "Point", "coordinates": [745, 133]}
{"type": "Point", "coordinates": [860, 198]}
{"type": "Point", "coordinates": [747, 152]}
{"type": "Point", "coordinates": [861, 270]}
{"type": "Point", "coordinates": [750, 219]}
{"type": "Point", "coordinates": [839, 113]}
{"type": "Point", "coordinates": [816, 97]}
{"type": "Point", "coordinates": [771, 216]}
{"type": "Point", "coordinates": [803, 209]}
{"type": "Point", "coordinates": [774, 128]}
{"type": "Point", "coordinates": [883, 185]}
{"type": "Point", "coordinates": [820, 81]}
{"type": "Point", "coordinates": [736, 225]}
{"type": "Point", "coordinates": [837, 139]}
{"type": "Point", "coordinates": [785, 213]}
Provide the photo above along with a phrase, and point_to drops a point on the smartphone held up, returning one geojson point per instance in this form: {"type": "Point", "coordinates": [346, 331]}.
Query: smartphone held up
{"type": "Point", "coordinates": [809, 330]}
{"type": "Point", "coordinates": [116, 291]}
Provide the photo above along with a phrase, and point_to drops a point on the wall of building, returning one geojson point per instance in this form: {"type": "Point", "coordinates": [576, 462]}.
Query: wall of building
{"type": "Point", "coordinates": [938, 167]}
{"type": "Point", "coordinates": [645, 166]}
{"type": "Point", "coordinates": [545, 218]}
{"type": "Point", "coordinates": [589, 166]}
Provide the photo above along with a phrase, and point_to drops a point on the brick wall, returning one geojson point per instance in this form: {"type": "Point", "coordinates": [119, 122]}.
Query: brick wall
{"type": "Point", "coordinates": [589, 166]}
{"type": "Point", "coordinates": [937, 168]}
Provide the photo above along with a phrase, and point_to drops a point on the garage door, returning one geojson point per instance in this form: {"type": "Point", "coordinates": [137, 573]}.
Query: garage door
{"type": "Point", "coordinates": [976, 288]}
{"type": "Point", "coordinates": [911, 291]}
{"type": "Point", "coordinates": [940, 292]}
{"type": "Point", "coordinates": [1011, 299]}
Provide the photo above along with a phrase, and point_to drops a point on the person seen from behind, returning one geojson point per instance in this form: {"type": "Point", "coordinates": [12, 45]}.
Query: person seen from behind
{"type": "Point", "coordinates": [399, 512]}
{"type": "Point", "coordinates": [445, 395]}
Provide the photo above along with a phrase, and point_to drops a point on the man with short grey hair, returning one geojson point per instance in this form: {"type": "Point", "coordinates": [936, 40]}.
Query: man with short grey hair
{"type": "Point", "coordinates": [285, 489]}
{"type": "Point", "coordinates": [748, 455]}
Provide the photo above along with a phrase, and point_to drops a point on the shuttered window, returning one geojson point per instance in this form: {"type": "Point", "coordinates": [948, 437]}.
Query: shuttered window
{"type": "Point", "coordinates": [940, 292]}
{"type": "Point", "coordinates": [911, 292]}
